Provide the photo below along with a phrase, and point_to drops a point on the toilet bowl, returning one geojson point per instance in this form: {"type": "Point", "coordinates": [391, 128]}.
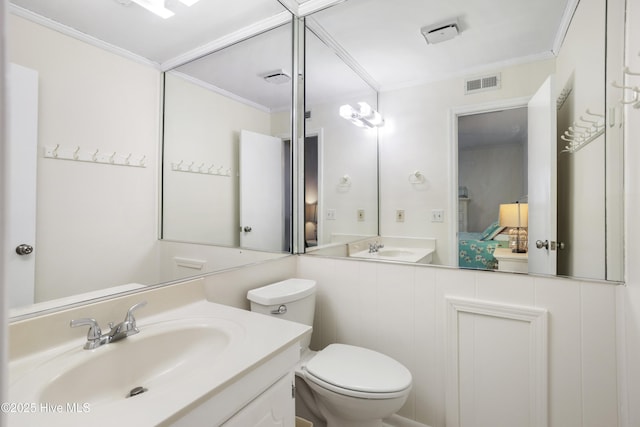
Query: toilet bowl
{"type": "Point", "coordinates": [350, 386]}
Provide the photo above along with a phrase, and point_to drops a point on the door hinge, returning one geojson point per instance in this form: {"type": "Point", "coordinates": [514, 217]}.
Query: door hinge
{"type": "Point", "coordinates": [293, 391]}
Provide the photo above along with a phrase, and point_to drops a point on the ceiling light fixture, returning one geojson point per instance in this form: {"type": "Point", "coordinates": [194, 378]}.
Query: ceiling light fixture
{"type": "Point", "coordinates": [158, 6]}
{"type": "Point", "coordinates": [365, 116]}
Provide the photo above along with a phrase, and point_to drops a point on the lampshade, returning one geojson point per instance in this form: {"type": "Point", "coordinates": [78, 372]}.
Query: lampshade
{"type": "Point", "coordinates": [311, 212]}
{"type": "Point", "coordinates": [514, 215]}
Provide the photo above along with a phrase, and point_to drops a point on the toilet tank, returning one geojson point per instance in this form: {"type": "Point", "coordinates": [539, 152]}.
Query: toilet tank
{"type": "Point", "coordinates": [291, 299]}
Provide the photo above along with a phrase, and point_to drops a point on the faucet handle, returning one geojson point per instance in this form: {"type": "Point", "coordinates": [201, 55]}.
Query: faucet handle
{"type": "Point", "coordinates": [129, 323]}
{"type": "Point", "coordinates": [94, 335]}
{"type": "Point", "coordinates": [129, 318]}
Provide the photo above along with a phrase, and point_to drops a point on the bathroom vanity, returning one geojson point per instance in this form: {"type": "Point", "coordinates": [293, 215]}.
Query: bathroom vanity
{"type": "Point", "coordinates": [193, 363]}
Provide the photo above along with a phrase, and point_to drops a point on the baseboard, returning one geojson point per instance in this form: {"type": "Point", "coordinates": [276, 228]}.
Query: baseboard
{"type": "Point", "coordinates": [398, 421]}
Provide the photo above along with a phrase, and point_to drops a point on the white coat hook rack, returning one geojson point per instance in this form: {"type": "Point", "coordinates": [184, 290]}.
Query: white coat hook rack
{"type": "Point", "coordinates": [77, 154]}
{"type": "Point", "coordinates": [580, 133]}
{"type": "Point", "coordinates": [416, 177]}
{"type": "Point", "coordinates": [630, 94]}
{"type": "Point", "coordinates": [202, 168]}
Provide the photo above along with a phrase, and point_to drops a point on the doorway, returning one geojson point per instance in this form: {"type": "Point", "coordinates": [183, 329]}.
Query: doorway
{"type": "Point", "coordinates": [492, 165]}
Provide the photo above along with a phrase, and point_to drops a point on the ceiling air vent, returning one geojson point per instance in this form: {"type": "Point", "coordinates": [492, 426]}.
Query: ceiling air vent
{"type": "Point", "coordinates": [480, 84]}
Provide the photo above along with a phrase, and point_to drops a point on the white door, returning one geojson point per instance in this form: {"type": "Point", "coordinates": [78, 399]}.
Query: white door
{"type": "Point", "coordinates": [21, 163]}
{"type": "Point", "coordinates": [543, 179]}
{"type": "Point", "coordinates": [261, 192]}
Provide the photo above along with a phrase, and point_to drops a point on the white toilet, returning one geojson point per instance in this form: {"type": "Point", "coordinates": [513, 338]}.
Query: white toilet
{"type": "Point", "coordinates": [350, 386]}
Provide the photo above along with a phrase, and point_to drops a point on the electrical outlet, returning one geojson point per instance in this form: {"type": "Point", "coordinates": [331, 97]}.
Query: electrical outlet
{"type": "Point", "coordinates": [400, 215]}
{"type": "Point", "coordinates": [360, 214]}
{"type": "Point", "coordinates": [437, 215]}
{"type": "Point", "coordinates": [331, 214]}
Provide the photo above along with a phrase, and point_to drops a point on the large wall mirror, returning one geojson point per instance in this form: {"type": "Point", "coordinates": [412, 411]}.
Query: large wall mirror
{"type": "Point", "coordinates": [227, 150]}
{"type": "Point", "coordinates": [341, 158]}
{"type": "Point", "coordinates": [463, 133]}
{"type": "Point", "coordinates": [96, 223]}
{"type": "Point", "coordinates": [96, 128]}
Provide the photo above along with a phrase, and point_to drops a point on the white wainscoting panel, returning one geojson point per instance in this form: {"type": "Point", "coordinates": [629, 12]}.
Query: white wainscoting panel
{"type": "Point", "coordinates": [497, 359]}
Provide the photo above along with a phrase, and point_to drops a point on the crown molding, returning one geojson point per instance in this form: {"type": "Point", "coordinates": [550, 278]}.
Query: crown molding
{"type": "Point", "coordinates": [79, 35]}
{"type": "Point", "coordinates": [227, 40]}
{"type": "Point", "coordinates": [567, 16]}
{"type": "Point", "coordinates": [221, 91]}
{"type": "Point", "coordinates": [327, 39]}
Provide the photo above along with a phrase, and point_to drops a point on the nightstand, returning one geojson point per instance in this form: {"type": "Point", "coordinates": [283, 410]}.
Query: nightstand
{"type": "Point", "coordinates": [510, 261]}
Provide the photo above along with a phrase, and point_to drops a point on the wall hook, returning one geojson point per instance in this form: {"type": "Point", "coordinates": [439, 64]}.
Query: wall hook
{"type": "Point", "coordinates": [94, 156]}
{"type": "Point", "coordinates": [55, 150]}
{"type": "Point", "coordinates": [112, 157]}
{"type": "Point", "coordinates": [626, 70]}
{"type": "Point", "coordinates": [416, 177]}
{"type": "Point", "coordinates": [76, 153]}
{"type": "Point", "coordinates": [128, 159]}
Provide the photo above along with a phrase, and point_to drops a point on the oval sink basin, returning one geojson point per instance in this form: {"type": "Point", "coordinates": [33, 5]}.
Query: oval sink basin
{"type": "Point", "coordinates": [149, 359]}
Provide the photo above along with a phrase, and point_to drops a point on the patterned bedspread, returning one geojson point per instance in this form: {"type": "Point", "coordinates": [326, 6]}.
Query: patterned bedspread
{"type": "Point", "coordinates": [473, 252]}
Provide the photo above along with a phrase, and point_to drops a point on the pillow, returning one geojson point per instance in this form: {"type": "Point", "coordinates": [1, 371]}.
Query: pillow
{"type": "Point", "coordinates": [492, 231]}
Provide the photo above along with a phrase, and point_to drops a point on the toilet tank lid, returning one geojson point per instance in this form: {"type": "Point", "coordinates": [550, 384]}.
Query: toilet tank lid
{"type": "Point", "coordinates": [282, 292]}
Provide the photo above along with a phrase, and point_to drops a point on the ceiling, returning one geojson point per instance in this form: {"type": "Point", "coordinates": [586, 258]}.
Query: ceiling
{"type": "Point", "coordinates": [379, 38]}
{"type": "Point", "coordinates": [382, 36]}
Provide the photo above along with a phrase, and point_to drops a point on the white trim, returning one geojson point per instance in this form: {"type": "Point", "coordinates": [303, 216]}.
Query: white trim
{"type": "Point", "coordinates": [327, 39]}
{"type": "Point", "coordinates": [470, 71]}
{"type": "Point", "coordinates": [454, 113]}
{"type": "Point", "coordinates": [538, 363]}
{"type": "Point", "coordinates": [78, 35]}
{"type": "Point", "coordinates": [563, 28]}
{"type": "Point", "coordinates": [312, 6]}
{"type": "Point", "coordinates": [220, 91]}
{"type": "Point", "coordinates": [227, 40]}
{"type": "Point", "coordinates": [291, 5]}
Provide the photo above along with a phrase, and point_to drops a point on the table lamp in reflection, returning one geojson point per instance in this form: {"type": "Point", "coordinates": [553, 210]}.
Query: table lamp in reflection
{"type": "Point", "coordinates": [516, 217]}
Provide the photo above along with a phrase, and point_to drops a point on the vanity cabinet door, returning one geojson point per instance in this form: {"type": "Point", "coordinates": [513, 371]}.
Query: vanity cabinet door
{"type": "Point", "coordinates": [273, 408]}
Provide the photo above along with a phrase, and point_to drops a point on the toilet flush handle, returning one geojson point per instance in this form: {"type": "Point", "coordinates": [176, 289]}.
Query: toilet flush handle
{"type": "Point", "coordinates": [280, 310]}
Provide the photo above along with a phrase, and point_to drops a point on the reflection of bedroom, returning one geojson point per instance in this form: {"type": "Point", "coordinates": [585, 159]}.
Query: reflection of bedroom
{"type": "Point", "coordinates": [492, 170]}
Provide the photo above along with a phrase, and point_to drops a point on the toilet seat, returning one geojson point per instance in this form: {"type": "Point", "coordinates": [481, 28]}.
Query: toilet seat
{"type": "Point", "coordinates": [358, 372]}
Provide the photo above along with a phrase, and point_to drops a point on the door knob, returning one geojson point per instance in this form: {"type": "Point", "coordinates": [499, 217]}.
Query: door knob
{"type": "Point", "coordinates": [247, 229]}
{"type": "Point", "coordinates": [540, 244]}
{"type": "Point", "coordinates": [24, 249]}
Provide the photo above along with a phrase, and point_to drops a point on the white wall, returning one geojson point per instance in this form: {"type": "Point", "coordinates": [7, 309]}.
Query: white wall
{"type": "Point", "coordinates": [202, 126]}
{"type": "Point", "coordinates": [96, 223]}
{"type": "Point", "coordinates": [417, 136]}
{"type": "Point", "coordinates": [401, 311]}
{"type": "Point", "coordinates": [493, 175]}
{"type": "Point", "coordinates": [629, 303]}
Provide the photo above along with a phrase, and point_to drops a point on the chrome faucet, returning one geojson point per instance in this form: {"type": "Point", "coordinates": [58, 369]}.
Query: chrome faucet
{"type": "Point", "coordinates": [127, 326]}
{"type": "Point", "coordinates": [95, 337]}
{"type": "Point", "coordinates": [373, 247]}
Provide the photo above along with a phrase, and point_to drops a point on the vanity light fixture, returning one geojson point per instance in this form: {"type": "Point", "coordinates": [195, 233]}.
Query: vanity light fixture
{"type": "Point", "coordinates": [364, 116]}
{"type": "Point", "coordinates": [158, 6]}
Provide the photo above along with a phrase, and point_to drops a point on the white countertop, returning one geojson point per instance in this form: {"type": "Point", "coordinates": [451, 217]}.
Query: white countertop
{"type": "Point", "coordinates": [261, 339]}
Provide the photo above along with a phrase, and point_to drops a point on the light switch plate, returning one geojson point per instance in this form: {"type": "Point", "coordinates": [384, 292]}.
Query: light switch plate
{"type": "Point", "coordinates": [360, 214]}
{"type": "Point", "coordinates": [437, 215]}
